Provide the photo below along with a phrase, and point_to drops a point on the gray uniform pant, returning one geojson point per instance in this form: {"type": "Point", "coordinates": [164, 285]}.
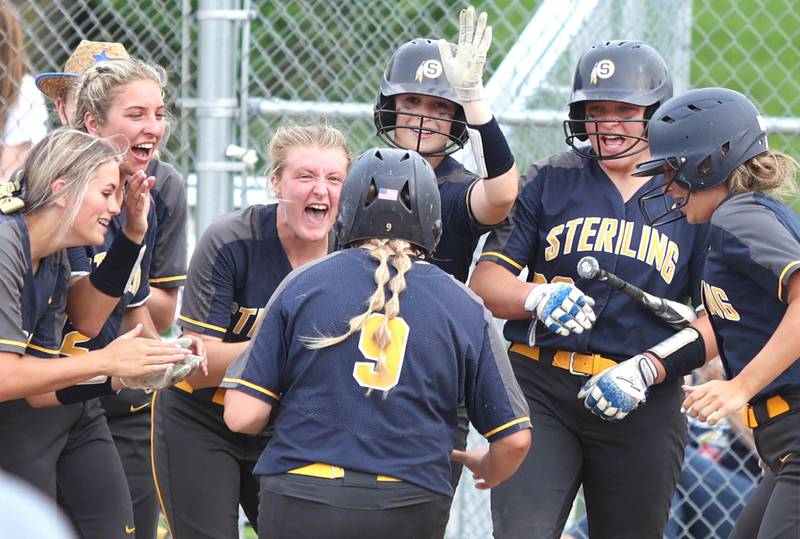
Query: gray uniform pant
{"type": "Point", "coordinates": [774, 510]}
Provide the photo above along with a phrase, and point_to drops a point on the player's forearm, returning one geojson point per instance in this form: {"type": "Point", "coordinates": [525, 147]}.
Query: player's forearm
{"type": "Point", "coordinates": [22, 376]}
{"type": "Point", "coordinates": [245, 413]}
{"type": "Point", "coordinates": [477, 112]}
{"type": "Point", "coordinates": [220, 355]}
{"type": "Point", "coordinates": [139, 315]}
{"type": "Point", "coordinates": [504, 457]}
{"type": "Point", "coordinates": [491, 199]}
{"type": "Point", "coordinates": [162, 305]}
{"type": "Point", "coordinates": [87, 307]}
{"type": "Point", "coordinates": [502, 292]}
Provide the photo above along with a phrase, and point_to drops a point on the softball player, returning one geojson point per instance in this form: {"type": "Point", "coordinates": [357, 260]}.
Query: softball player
{"type": "Point", "coordinates": [203, 471]}
{"type": "Point", "coordinates": [168, 268]}
{"type": "Point", "coordinates": [387, 421]}
{"type": "Point", "coordinates": [69, 191]}
{"type": "Point", "coordinates": [711, 145]}
{"type": "Point", "coordinates": [574, 204]}
{"type": "Point", "coordinates": [431, 101]}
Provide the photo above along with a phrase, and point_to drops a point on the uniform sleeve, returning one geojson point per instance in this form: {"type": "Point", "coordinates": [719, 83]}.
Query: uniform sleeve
{"type": "Point", "coordinates": [696, 264]}
{"type": "Point", "coordinates": [46, 339]}
{"type": "Point", "coordinates": [168, 269]}
{"type": "Point", "coordinates": [761, 242]}
{"type": "Point", "coordinates": [208, 296]}
{"type": "Point", "coordinates": [80, 261]}
{"type": "Point", "coordinates": [12, 269]}
{"type": "Point", "coordinates": [456, 210]}
{"type": "Point", "coordinates": [258, 370]}
{"type": "Point", "coordinates": [494, 400]}
{"type": "Point", "coordinates": [512, 243]}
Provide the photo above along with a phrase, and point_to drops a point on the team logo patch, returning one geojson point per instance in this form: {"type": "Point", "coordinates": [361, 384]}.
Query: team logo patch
{"type": "Point", "coordinates": [428, 69]}
{"type": "Point", "coordinates": [604, 69]}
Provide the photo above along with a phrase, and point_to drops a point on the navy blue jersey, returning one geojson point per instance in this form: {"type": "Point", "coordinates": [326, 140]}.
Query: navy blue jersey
{"type": "Point", "coordinates": [84, 260]}
{"type": "Point", "coordinates": [168, 269]}
{"type": "Point", "coordinates": [32, 308]}
{"type": "Point", "coordinates": [569, 208]}
{"type": "Point", "coordinates": [460, 230]}
{"type": "Point", "coordinates": [339, 405]}
{"type": "Point", "coordinates": [235, 268]}
{"type": "Point", "coordinates": [754, 248]}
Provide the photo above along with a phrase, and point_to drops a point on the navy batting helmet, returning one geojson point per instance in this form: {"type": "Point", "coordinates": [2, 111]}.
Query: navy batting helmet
{"type": "Point", "coordinates": [624, 71]}
{"type": "Point", "coordinates": [390, 193]}
{"type": "Point", "coordinates": [416, 68]}
{"type": "Point", "coordinates": [702, 136]}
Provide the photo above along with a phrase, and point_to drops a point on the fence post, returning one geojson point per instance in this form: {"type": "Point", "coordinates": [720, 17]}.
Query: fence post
{"type": "Point", "coordinates": [216, 108]}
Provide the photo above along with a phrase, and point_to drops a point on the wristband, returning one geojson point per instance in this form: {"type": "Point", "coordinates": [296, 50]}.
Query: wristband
{"type": "Point", "coordinates": [489, 145]}
{"type": "Point", "coordinates": [681, 353]}
{"type": "Point", "coordinates": [116, 270]}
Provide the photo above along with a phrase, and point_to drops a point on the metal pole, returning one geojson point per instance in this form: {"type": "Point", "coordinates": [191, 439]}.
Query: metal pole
{"type": "Point", "coordinates": [216, 108]}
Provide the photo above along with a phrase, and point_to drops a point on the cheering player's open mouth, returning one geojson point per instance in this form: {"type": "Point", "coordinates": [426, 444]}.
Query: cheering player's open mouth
{"type": "Point", "coordinates": [143, 152]}
{"type": "Point", "coordinates": [317, 212]}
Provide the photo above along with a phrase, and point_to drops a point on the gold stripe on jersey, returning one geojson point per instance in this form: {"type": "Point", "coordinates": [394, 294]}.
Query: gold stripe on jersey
{"type": "Point", "coordinates": [168, 279]}
{"type": "Point", "coordinates": [43, 349]}
{"type": "Point", "coordinates": [21, 344]}
{"type": "Point", "coordinates": [502, 257]}
{"type": "Point", "coordinates": [506, 425]}
{"type": "Point", "coordinates": [789, 266]}
{"type": "Point", "coordinates": [202, 324]}
{"type": "Point", "coordinates": [253, 386]}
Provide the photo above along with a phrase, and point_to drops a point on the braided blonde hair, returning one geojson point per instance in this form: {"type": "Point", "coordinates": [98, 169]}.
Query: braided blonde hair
{"type": "Point", "coordinates": [385, 251]}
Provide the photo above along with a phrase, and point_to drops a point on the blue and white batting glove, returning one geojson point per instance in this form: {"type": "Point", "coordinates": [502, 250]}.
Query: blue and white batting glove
{"type": "Point", "coordinates": [616, 392]}
{"type": "Point", "coordinates": [562, 307]}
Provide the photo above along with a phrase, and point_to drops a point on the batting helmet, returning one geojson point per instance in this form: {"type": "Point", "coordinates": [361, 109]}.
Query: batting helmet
{"type": "Point", "coordinates": [702, 136]}
{"type": "Point", "coordinates": [390, 193]}
{"type": "Point", "coordinates": [624, 71]}
{"type": "Point", "coordinates": [416, 68]}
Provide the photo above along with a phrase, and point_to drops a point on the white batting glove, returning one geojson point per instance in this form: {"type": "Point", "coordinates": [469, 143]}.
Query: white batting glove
{"type": "Point", "coordinates": [562, 307]}
{"type": "Point", "coordinates": [172, 375]}
{"type": "Point", "coordinates": [465, 70]}
{"type": "Point", "coordinates": [616, 392]}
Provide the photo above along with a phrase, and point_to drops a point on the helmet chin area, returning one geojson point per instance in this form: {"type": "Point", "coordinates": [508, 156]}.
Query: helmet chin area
{"type": "Point", "coordinates": [385, 130]}
{"type": "Point", "coordinates": [577, 130]}
{"type": "Point", "coordinates": [659, 209]}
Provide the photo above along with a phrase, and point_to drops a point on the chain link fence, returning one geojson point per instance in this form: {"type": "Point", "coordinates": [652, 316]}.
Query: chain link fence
{"type": "Point", "coordinates": [238, 68]}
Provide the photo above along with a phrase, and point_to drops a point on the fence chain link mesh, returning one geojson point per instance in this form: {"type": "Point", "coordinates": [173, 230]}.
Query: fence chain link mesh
{"type": "Point", "coordinates": [300, 61]}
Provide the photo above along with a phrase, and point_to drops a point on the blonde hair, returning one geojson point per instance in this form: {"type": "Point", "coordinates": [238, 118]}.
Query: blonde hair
{"type": "Point", "coordinates": [98, 87]}
{"type": "Point", "coordinates": [771, 173]}
{"type": "Point", "coordinates": [13, 59]}
{"type": "Point", "coordinates": [288, 137]}
{"type": "Point", "coordinates": [69, 155]}
{"type": "Point", "coordinates": [385, 251]}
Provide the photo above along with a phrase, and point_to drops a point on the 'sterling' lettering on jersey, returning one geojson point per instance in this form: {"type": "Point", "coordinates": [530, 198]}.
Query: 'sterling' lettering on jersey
{"type": "Point", "coordinates": [615, 236]}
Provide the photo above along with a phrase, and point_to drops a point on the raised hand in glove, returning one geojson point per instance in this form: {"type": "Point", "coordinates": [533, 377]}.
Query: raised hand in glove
{"type": "Point", "coordinates": [175, 372]}
{"type": "Point", "coordinates": [562, 307]}
{"type": "Point", "coordinates": [616, 392]}
{"type": "Point", "coordinates": [464, 70]}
